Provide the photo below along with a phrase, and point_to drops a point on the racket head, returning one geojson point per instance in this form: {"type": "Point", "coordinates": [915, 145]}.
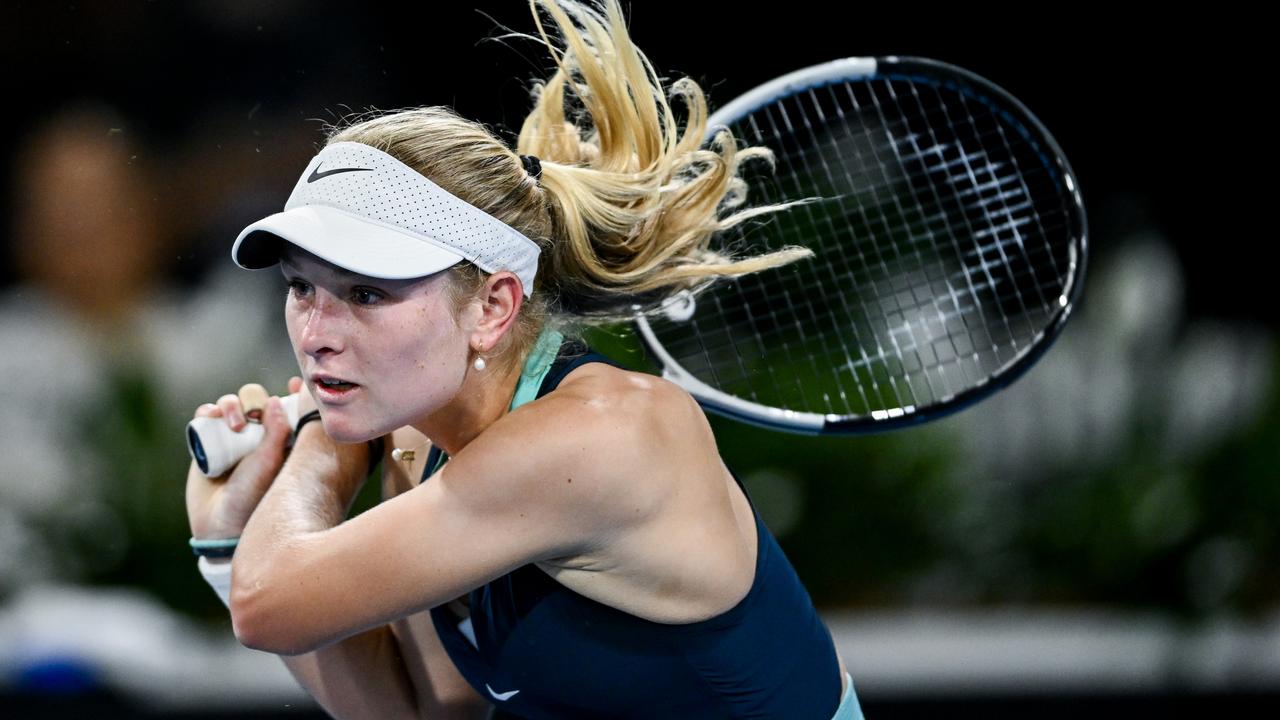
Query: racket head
{"type": "Point", "coordinates": [950, 245]}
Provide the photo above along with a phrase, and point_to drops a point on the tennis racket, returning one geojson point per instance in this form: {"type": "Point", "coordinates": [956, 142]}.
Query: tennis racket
{"type": "Point", "coordinates": [949, 239]}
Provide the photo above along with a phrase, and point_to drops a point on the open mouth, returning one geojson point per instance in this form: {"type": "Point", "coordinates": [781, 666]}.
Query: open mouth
{"type": "Point", "coordinates": [333, 386]}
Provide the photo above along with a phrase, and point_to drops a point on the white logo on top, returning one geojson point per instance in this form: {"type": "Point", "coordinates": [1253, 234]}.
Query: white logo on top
{"type": "Point", "coordinates": [500, 696]}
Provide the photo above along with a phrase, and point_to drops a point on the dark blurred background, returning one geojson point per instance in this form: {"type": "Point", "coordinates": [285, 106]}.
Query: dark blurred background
{"type": "Point", "coordinates": [1098, 538]}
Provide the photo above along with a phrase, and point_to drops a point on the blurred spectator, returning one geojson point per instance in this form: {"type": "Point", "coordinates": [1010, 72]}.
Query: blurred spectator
{"type": "Point", "coordinates": [106, 362]}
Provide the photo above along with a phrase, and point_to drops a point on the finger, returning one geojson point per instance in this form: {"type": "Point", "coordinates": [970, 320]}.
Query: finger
{"type": "Point", "coordinates": [264, 462]}
{"type": "Point", "coordinates": [230, 406]}
{"type": "Point", "coordinates": [253, 399]}
{"type": "Point", "coordinates": [276, 424]}
{"type": "Point", "coordinates": [295, 384]}
{"type": "Point", "coordinates": [208, 410]}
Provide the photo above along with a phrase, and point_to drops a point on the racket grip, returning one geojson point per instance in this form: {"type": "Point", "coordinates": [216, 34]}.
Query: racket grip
{"type": "Point", "coordinates": [216, 448]}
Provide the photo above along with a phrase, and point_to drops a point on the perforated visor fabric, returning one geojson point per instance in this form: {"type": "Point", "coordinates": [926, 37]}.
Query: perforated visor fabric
{"type": "Point", "coordinates": [363, 210]}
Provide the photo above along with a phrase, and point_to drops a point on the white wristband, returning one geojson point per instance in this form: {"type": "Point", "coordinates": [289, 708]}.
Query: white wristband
{"type": "Point", "coordinates": [217, 572]}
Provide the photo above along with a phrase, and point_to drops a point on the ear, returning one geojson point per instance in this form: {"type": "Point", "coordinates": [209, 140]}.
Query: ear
{"type": "Point", "coordinates": [500, 302]}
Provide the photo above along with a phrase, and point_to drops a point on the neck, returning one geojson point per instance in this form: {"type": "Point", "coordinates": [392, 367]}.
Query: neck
{"type": "Point", "coordinates": [485, 397]}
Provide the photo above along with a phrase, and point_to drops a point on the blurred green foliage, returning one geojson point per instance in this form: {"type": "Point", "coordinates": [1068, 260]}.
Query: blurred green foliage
{"type": "Point", "coordinates": [144, 470]}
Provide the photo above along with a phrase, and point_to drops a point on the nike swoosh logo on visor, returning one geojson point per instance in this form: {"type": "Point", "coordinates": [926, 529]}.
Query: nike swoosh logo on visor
{"type": "Point", "coordinates": [500, 696]}
{"type": "Point", "coordinates": [316, 174]}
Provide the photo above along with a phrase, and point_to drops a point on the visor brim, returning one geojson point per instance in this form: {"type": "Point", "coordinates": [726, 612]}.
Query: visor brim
{"type": "Point", "coordinates": [351, 242]}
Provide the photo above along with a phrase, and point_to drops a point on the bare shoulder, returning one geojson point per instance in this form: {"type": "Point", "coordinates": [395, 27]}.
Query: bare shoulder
{"type": "Point", "coordinates": [598, 446]}
{"type": "Point", "coordinates": [644, 416]}
{"type": "Point", "coordinates": [633, 396]}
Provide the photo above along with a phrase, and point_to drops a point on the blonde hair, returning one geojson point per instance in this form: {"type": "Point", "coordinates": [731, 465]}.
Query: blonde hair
{"type": "Point", "coordinates": [627, 202]}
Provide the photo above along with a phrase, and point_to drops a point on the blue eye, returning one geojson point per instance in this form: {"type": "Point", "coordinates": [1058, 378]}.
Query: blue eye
{"type": "Point", "coordinates": [299, 288]}
{"type": "Point", "coordinates": [365, 296]}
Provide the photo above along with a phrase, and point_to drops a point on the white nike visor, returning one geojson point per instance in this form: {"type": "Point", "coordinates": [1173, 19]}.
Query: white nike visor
{"type": "Point", "coordinates": [365, 211]}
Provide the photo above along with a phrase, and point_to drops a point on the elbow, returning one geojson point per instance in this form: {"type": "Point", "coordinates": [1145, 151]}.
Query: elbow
{"type": "Point", "coordinates": [265, 618]}
{"type": "Point", "coordinates": [258, 630]}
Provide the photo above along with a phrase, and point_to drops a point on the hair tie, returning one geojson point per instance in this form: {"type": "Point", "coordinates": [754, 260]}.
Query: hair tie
{"type": "Point", "coordinates": [532, 165]}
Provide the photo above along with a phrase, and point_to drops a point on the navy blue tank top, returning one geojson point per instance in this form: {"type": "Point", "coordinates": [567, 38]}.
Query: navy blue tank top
{"type": "Point", "coordinates": [538, 650]}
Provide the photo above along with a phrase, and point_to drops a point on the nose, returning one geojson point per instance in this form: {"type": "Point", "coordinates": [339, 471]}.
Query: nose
{"type": "Point", "coordinates": [322, 326]}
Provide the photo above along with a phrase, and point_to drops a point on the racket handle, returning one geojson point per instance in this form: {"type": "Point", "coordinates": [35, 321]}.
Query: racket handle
{"type": "Point", "coordinates": [216, 448]}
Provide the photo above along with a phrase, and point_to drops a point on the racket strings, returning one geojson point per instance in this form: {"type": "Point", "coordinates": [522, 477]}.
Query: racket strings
{"type": "Point", "coordinates": [904, 223]}
{"type": "Point", "coordinates": [872, 383]}
{"type": "Point", "coordinates": [835, 287]}
{"type": "Point", "coordinates": [946, 180]}
{"type": "Point", "coordinates": [877, 184]}
{"type": "Point", "coordinates": [1021, 177]}
{"type": "Point", "coordinates": [938, 261]}
{"type": "Point", "coordinates": [904, 344]}
{"type": "Point", "coordinates": [990, 217]}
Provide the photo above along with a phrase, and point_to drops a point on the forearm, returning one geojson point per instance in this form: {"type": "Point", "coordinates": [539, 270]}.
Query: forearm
{"type": "Point", "coordinates": [313, 492]}
{"type": "Point", "coordinates": [441, 690]}
{"type": "Point", "coordinates": [363, 676]}
{"type": "Point", "coordinates": [274, 583]}
{"type": "Point", "coordinates": [383, 673]}
{"type": "Point", "coordinates": [360, 676]}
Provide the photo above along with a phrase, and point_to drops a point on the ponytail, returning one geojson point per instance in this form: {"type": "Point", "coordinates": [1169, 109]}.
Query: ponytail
{"type": "Point", "coordinates": [634, 199]}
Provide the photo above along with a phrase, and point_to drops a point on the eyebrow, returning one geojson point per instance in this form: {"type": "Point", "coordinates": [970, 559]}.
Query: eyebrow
{"type": "Point", "coordinates": [354, 279]}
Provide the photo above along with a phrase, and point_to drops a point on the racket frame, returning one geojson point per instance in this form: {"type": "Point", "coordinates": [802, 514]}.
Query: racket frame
{"type": "Point", "coordinates": [811, 423]}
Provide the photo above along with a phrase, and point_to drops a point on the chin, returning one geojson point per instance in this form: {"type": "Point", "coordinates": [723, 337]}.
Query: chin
{"type": "Point", "coordinates": [353, 438]}
{"type": "Point", "coordinates": [348, 433]}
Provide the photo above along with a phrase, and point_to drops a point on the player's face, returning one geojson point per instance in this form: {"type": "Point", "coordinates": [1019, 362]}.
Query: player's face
{"type": "Point", "coordinates": [375, 354]}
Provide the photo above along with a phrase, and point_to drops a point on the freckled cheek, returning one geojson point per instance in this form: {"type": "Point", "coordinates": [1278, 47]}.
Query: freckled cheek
{"type": "Point", "coordinates": [294, 328]}
{"type": "Point", "coordinates": [430, 358]}
{"type": "Point", "coordinates": [403, 352]}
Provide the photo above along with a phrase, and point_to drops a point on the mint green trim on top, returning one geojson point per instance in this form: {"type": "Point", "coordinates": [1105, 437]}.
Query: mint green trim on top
{"type": "Point", "coordinates": [217, 544]}
{"type": "Point", "coordinates": [536, 367]}
{"type": "Point", "coordinates": [849, 708]}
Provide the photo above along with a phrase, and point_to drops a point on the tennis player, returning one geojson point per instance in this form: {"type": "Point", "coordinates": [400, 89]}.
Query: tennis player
{"type": "Point", "coordinates": [559, 538]}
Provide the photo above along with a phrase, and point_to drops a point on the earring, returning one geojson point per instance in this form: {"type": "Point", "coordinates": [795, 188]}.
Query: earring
{"type": "Point", "coordinates": [479, 363]}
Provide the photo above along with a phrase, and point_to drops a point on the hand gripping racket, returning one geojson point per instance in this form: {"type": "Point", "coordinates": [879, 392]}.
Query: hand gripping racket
{"type": "Point", "coordinates": [216, 448]}
{"type": "Point", "coordinates": [949, 239]}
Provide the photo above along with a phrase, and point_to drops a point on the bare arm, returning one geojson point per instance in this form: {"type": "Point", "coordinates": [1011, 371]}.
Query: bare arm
{"type": "Point", "coordinates": [367, 674]}
{"type": "Point", "coordinates": [429, 665]}
{"type": "Point", "coordinates": [399, 670]}
{"type": "Point", "coordinates": [362, 676]}
{"type": "Point", "coordinates": [513, 496]}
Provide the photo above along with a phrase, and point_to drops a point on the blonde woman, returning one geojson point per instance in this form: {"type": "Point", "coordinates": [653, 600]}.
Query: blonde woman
{"type": "Point", "coordinates": [559, 537]}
